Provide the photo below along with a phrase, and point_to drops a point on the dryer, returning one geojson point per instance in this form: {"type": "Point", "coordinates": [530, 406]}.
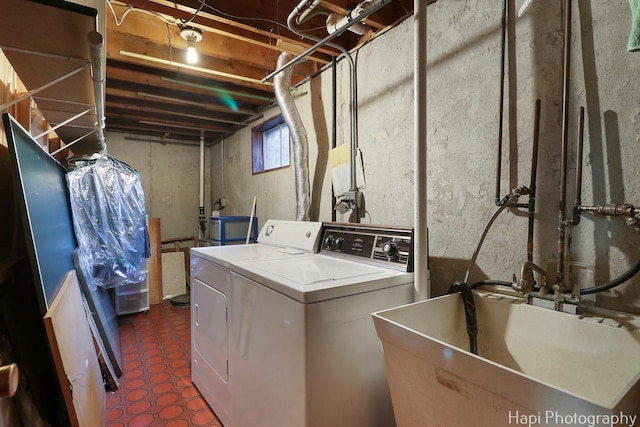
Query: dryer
{"type": "Point", "coordinates": [211, 296]}
{"type": "Point", "coordinates": [299, 343]}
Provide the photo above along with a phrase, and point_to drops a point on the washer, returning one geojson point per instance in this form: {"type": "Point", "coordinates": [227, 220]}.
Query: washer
{"type": "Point", "coordinates": [298, 346]}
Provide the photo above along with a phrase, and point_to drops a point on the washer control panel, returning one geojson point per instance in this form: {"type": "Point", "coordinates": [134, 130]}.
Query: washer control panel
{"type": "Point", "coordinates": [388, 246]}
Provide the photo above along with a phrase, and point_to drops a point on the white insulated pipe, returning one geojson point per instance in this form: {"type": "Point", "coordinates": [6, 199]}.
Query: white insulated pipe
{"type": "Point", "coordinates": [222, 169]}
{"type": "Point", "coordinates": [420, 243]}
{"type": "Point", "coordinates": [304, 9]}
{"type": "Point", "coordinates": [202, 170]}
{"type": "Point", "coordinates": [96, 43]}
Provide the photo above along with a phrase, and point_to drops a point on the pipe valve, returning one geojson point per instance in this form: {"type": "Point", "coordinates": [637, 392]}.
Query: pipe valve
{"type": "Point", "coordinates": [630, 212]}
{"type": "Point", "coordinates": [514, 195]}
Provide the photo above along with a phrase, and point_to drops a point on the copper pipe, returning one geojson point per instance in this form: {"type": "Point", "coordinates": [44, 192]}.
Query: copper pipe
{"type": "Point", "coordinates": [565, 136]}
{"type": "Point", "coordinates": [579, 150]}
{"type": "Point", "coordinates": [501, 109]}
{"type": "Point", "coordinates": [532, 185]}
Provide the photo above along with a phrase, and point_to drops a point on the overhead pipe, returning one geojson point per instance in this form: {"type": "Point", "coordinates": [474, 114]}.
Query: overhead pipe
{"type": "Point", "coordinates": [326, 40]}
{"type": "Point", "coordinates": [96, 43]}
{"type": "Point", "coordinates": [304, 9]}
{"type": "Point", "coordinates": [299, 138]}
{"type": "Point", "coordinates": [294, 16]}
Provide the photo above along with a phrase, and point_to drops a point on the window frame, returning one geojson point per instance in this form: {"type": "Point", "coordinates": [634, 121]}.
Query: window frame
{"type": "Point", "coordinates": [257, 145]}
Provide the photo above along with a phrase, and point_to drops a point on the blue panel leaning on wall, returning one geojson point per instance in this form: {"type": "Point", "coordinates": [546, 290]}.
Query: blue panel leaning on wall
{"type": "Point", "coordinates": [44, 206]}
{"type": "Point", "coordinates": [46, 213]}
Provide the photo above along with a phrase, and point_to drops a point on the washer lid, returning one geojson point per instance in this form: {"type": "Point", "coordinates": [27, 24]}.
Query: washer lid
{"type": "Point", "coordinates": [228, 255]}
{"type": "Point", "coordinates": [316, 277]}
{"type": "Point", "coordinates": [315, 269]}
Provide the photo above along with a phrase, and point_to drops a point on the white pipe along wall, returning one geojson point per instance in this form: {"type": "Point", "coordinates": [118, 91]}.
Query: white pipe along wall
{"type": "Point", "coordinates": [420, 241]}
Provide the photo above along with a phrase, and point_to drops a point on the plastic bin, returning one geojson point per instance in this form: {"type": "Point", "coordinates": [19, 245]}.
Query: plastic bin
{"type": "Point", "coordinates": [228, 230]}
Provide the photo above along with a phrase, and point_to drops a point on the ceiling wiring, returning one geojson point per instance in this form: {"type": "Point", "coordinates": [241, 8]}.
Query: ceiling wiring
{"type": "Point", "coordinates": [228, 15]}
{"type": "Point", "coordinates": [130, 9]}
{"type": "Point", "coordinates": [202, 4]}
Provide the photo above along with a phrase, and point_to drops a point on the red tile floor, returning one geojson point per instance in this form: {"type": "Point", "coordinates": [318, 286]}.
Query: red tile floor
{"type": "Point", "coordinates": [155, 386]}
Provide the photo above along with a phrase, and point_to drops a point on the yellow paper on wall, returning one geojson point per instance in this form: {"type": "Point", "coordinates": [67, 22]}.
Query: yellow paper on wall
{"type": "Point", "coordinates": [340, 162]}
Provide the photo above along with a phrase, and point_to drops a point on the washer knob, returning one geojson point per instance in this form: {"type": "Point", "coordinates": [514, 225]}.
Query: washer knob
{"type": "Point", "coordinates": [339, 243]}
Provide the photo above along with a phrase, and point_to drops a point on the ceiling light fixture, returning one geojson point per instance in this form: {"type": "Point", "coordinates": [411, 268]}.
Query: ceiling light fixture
{"type": "Point", "coordinates": [192, 36]}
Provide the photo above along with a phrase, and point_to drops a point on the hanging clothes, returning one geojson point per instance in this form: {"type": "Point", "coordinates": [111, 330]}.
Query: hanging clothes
{"type": "Point", "coordinates": [109, 219]}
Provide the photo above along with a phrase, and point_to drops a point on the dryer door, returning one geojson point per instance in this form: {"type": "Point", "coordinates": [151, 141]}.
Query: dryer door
{"type": "Point", "coordinates": [209, 335]}
{"type": "Point", "coordinates": [210, 327]}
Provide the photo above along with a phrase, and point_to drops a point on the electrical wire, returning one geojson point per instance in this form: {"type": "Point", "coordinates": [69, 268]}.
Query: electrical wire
{"type": "Point", "coordinates": [130, 9]}
{"type": "Point", "coordinates": [202, 3]}
{"type": "Point", "coordinates": [244, 18]}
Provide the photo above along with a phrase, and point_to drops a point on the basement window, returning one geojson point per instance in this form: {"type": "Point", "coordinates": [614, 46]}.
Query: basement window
{"type": "Point", "coordinates": [270, 145]}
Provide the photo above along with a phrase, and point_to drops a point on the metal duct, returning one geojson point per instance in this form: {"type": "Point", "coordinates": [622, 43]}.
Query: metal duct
{"type": "Point", "coordinates": [291, 116]}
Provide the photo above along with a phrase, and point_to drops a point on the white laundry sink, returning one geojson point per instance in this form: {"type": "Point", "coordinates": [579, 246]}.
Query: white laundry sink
{"type": "Point", "coordinates": [535, 366]}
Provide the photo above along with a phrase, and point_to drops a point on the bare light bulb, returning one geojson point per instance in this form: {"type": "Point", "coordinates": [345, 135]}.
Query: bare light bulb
{"type": "Point", "coordinates": [192, 36]}
{"type": "Point", "coordinates": [192, 53]}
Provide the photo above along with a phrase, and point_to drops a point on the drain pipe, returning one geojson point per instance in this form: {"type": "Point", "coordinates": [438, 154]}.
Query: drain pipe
{"type": "Point", "coordinates": [96, 42]}
{"type": "Point", "coordinates": [420, 243]}
{"type": "Point", "coordinates": [201, 218]}
{"type": "Point", "coordinates": [299, 139]}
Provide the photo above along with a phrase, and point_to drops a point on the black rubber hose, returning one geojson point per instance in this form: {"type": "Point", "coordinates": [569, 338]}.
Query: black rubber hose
{"type": "Point", "coordinates": [469, 313]}
{"type": "Point", "coordinates": [491, 282]}
{"type": "Point", "coordinates": [615, 282]}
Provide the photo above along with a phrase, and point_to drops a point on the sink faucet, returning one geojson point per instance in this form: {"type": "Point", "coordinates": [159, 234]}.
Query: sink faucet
{"type": "Point", "coordinates": [527, 281]}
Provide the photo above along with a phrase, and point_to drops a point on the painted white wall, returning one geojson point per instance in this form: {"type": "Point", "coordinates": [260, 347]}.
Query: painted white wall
{"type": "Point", "coordinates": [463, 95]}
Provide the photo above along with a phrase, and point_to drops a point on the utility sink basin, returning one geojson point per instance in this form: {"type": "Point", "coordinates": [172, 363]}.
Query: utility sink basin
{"type": "Point", "coordinates": [535, 366]}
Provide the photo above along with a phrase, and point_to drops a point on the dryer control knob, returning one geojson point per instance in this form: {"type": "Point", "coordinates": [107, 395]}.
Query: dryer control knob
{"type": "Point", "coordinates": [329, 241]}
{"type": "Point", "coordinates": [390, 249]}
